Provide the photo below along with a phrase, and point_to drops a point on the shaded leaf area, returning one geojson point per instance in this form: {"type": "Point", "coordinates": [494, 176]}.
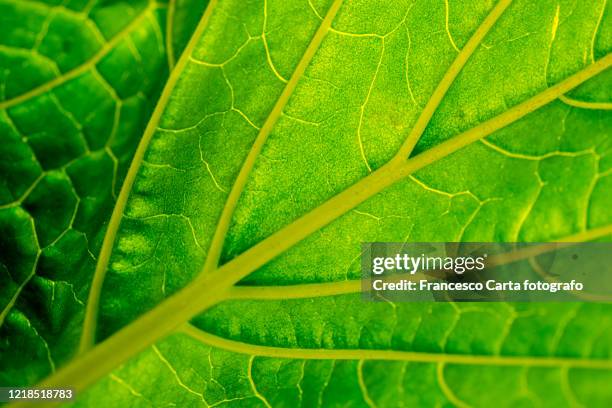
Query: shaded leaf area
{"type": "Point", "coordinates": [183, 17]}
{"type": "Point", "coordinates": [78, 80]}
{"type": "Point", "coordinates": [545, 177]}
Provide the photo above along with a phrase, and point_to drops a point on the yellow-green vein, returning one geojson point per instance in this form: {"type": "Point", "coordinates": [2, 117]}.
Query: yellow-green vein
{"type": "Point", "coordinates": [585, 104]}
{"type": "Point", "coordinates": [223, 224]}
{"type": "Point", "coordinates": [448, 79]}
{"type": "Point", "coordinates": [81, 69]}
{"type": "Point", "coordinates": [391, 355]}
{"type": "Point", "coordinates": [91, 312]}
{"type": "Point", "coordinates": [310, 290]}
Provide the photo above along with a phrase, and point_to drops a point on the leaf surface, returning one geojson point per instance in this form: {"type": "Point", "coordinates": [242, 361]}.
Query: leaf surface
{"type": "Point", "coordinates": [183, 17]}
{"type": "Point", "coordinates": [79, 81]}
{"type": "Point", "coordinates": [276, 151]}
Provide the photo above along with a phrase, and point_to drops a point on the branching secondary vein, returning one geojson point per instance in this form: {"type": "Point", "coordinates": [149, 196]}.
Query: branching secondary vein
{"type": "Point", "coordinates": [585, 104]}
{"type": "Point", "coordinates": [81, 69]}
{"type": "Point", "coordinates": [448, 79]}
{"type": "Point", "coordinates": [91, 312]}
{"type": "Point", "coordinates": [309, 290]}
{"type": "Point", "coordinates": [223, 224]}
{"type": "Point", "coordinates": [391, 355]}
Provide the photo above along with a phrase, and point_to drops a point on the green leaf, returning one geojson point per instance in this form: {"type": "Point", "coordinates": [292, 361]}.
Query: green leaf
{"type": "Point", "coordinates": [79, 81]}
{"type": "Point", "coordinates": [290, 132]}
{"type": "Point", "coordinates": [183, 17]}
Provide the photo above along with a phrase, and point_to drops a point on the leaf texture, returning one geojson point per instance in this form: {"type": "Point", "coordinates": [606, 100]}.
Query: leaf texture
{"type": "Point", "coordinates": [183, 17]}
{"type": "Point", "coordinates": [79, 81]}
{"type": "Point", "coordinates": [290, 132]}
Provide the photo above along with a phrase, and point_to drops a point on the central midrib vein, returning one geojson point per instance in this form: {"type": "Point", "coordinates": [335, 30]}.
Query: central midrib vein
{"type": "Point", "coordinates": [223, 224]}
